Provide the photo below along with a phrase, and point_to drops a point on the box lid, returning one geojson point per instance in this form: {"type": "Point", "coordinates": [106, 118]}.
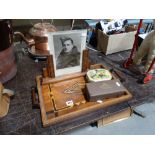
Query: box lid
{"type": "Point", "coordinates": [104, 89]}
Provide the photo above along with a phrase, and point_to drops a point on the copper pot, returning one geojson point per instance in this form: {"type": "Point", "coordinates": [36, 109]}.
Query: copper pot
{"type": "Point", "coordinates": [39, 33]}
{"type": "Point", "coordinates": [8, 66]}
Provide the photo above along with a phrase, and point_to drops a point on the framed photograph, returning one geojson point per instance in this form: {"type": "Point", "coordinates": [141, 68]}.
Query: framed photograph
{"type": "Point", "coordinates": [66, 48]}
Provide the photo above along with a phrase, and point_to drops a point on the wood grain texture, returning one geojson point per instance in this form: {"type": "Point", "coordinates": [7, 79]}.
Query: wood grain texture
{"type": "Point", "coordinates": [50, 66]}
{"type": "Point", "coordinates": [124, 114]}
{"type": "Point", "coordinates": [85, 60]}
{"type": "Point", "coordinates": [4, 101]}
{"type": "Point", "coordinates": [53, 99]}
{"type": "Point", "coordinates": [1, 90]}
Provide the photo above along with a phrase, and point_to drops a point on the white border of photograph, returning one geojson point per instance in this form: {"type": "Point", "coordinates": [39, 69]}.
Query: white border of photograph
{"type": "Point", "coordinates": [81, 46]}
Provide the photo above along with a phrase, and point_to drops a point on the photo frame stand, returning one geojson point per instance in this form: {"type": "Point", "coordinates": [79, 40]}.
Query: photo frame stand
{"type": "Point", "coordinates": [48, 71]}
{"type": "Point", "coordinates": [63, 98]}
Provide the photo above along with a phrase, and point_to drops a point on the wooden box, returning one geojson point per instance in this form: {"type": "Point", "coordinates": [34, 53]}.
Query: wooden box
{"type": "Point", "coordinates": [104, 89]}
{"type": "Point", "coordinates": [124, 114]}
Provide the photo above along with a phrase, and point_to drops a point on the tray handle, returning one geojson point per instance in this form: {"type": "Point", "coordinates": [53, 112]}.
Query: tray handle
{"type": "Point", "coordinates": [34, 97]}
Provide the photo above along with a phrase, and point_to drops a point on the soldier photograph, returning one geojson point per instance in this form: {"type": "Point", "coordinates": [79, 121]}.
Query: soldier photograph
{"type": "Point", "coordinates": [69, 55]}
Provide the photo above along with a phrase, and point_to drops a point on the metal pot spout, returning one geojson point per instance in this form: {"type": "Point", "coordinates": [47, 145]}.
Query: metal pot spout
{"type": "Point", "coordinates": [29, 42]}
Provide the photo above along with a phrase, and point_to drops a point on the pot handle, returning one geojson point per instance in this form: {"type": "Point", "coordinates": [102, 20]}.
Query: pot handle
{"type": "Point", "coordinates": [29, 42]}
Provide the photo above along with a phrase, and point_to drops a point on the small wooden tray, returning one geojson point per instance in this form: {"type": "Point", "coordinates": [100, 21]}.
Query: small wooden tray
{"type": "Point", "coordinates": [55, 92]}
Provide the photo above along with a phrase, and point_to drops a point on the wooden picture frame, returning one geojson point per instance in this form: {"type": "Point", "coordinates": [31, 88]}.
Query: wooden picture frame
{"type": "Point", "coordinates": [66, 48]}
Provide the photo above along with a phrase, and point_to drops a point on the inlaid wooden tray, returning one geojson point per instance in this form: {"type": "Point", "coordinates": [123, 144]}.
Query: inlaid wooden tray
{"type": "Point", "coordinates": [64, 98]}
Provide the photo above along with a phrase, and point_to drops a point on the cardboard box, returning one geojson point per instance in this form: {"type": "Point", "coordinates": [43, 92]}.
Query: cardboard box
{"type": "Point", "coordinates": [109, 44]}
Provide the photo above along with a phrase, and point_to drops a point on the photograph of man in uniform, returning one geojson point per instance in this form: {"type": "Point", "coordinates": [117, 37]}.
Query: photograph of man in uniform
{"type": "Point", "coordinates": [67, 48]}
{"type": "Point", "coordinates": [69, 55]}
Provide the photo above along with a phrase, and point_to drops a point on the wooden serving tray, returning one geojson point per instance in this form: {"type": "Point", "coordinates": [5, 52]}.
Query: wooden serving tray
{"type": "Point", "coordinates": [55, 92]}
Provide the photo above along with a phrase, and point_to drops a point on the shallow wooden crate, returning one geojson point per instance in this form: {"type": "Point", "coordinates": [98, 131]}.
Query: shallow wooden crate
{"type": "Point", "coordinates": [53, 99]}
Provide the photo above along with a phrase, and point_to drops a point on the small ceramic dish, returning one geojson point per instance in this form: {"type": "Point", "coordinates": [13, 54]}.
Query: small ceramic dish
{"type": "Point", "coordinates": [97, 75]}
